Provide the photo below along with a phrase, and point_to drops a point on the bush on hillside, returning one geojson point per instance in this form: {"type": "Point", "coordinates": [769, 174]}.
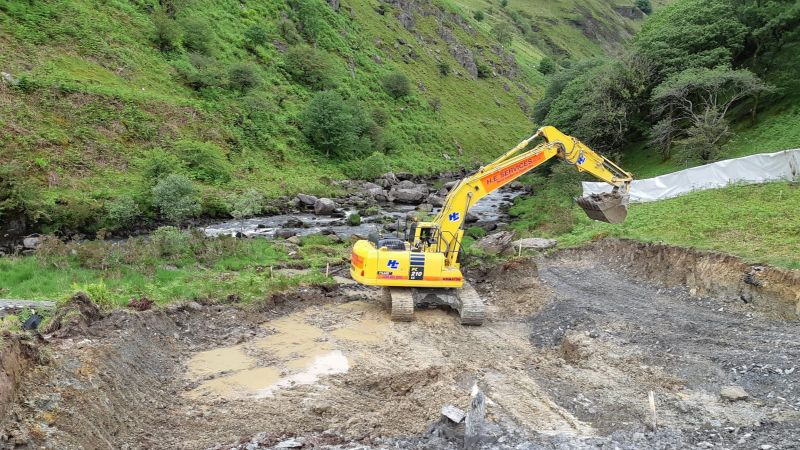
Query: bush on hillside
{"type": "Point", "coordinates": [311, 67]}
{"type": "Point", "coordinates": [368, 168]}
{"type": "Point", "coordinates": [547, 66]}
{"type": "Point", "coordinates": [288, 31]}
{"type": "Point", "coordinates": [336, 127]}
{"type": "Point", "coordinates": [197, 35]}
{"type": "Point", "coordinates": [159, 163]}
{"type": "Point", "coordinates": [167, 33]}
{"type": "Point", "coordinates": [396, 85]}
{"type": "Point", "coordinates": [503, 33]}
{"type": "Point", "coordinates": [200, 72]}
{"type": "Point", "coordinates": [175, 198]}
{"type": "Point", "coordinates": [255, 36]}
{"type": "Point", "coordinates": [243, 77]}
{"type": "Point", "coordinates": [205, 160]}
{"type": "Point", "coordinates": [444, 68]}
{"type": "Point", "coordinates": [121, 213]}
{"type": "Point", "coordinates": [645, 6]}
{"type": "Point", "coordinates": [478, 15]}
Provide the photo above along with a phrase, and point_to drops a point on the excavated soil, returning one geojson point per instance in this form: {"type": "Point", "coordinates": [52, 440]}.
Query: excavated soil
{"type": "Point", "coordinates": [573, 346]}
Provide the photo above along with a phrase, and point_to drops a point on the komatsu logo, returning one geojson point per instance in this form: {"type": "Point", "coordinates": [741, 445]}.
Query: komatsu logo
{"type": "Point", "coordinates": [454, 216]}
{"type": "Point", "coordinates": [581, 158]}
{"type": "Point", "coordinates": [393, 264]}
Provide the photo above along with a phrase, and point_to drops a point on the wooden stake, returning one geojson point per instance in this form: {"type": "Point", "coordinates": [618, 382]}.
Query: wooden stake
{"type": "Point", "coordinates": [652, 398]}
{"type": "Point", "coordinates": [327, 269]}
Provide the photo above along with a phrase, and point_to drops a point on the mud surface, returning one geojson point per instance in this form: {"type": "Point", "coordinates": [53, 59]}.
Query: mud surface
{"type": "Point", "coordinates": [567, 359]}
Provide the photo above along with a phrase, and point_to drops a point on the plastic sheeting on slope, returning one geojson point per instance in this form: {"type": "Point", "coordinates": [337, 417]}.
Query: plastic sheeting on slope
{"type": "Point", "coordinates": [761, 168]}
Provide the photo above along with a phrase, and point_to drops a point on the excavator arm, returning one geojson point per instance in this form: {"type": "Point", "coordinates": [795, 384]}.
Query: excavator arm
{"type": "Point", "coordinates": [517, 162]}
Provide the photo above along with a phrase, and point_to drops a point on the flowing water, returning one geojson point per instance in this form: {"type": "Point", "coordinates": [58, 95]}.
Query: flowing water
{"type": "Point", "coordinates": [490, 208]}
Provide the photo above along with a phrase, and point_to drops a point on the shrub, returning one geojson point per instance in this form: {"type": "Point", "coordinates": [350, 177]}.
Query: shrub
{"type": "Point", "coordinates": [484, 71]}
{"type": "Point", "coordinates": [335, 126]}
{"type": "Point", "coordinates": [197, 35]}
{"type": "Point", "coordinates": [255, 36]}
{"type": "Point", "coordinates": [444, 68]}
{"type": "Point", "coordinates": [159, 164]}
{"type": "Point", "coordinates": [175, 198]}
{"type": "Point", "coordinates": [503, 32]}
{"type": "Point", "coordinates": [380, 116]}
{"type": "Point", "coordinates": [205, 160]}
{"type": "Point", "coordinates": [200, 71]}
{"type": "Point", "coordinates": [368, 168]}
{"type": "Point", "coordinates": [396, 85]}
{"type": "Point", "coordinates": [167, 35]}
{"type": "Point", "coordinates": [503, 3]}
{"type": "Point", "coordinates": [644, 6]}
{"type": "Point", "coordinates": [547, 66]}
{"type": "Point", "coordinates": [98, 293]}
{"type": "Point", "coordinates": [243, 77]}
{"type": "Point", "coordinates": [313, 68]}
{"type": "Point", "coordinates": [476, 232]}
{"type": "Point", "coordinates": [247, 204]}
{"type": "Point", "coordinates": [288, 31]}
{"type": "Point", "coordinates": [171, 242]}
{"type": "Point", "coordinates": [121, 213]}
{"type": "Point", "coordinates": [354, 220]}
{"type": "Point", "coordinates": [478, 15]}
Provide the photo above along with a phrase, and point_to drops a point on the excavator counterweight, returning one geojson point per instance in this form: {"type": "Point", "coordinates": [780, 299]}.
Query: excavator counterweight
{"type": "Point", "coordinates": [422, 269]}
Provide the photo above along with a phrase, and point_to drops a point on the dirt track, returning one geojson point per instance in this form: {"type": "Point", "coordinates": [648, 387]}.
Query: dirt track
{"type": "Point", "coordinates": [566, 360]}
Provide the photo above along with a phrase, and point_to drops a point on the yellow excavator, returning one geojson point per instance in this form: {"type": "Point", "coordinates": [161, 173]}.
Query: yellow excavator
{"type": "Point", "coordinates": [423, 269]}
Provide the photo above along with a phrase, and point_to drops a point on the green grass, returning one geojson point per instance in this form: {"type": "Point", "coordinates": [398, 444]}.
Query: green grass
{"type": "Point", "coordinates": [197, 269]}
{"type": "Point", "coordinates": [760, 223]}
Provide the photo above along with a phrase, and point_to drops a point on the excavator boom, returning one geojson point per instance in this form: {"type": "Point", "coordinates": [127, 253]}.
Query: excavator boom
{"type": "Point", "coordinates": [424, 268]}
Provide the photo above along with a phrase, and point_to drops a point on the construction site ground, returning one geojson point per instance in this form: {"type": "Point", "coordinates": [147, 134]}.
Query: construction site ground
{"type": "Point", "coordinates": [572, 348]}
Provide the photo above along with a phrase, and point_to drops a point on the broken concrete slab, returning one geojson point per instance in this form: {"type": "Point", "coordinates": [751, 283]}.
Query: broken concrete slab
{"type": "Point", "coordinates": [453, 413]}
{"type": "Point", "coordinates": [733, 393]}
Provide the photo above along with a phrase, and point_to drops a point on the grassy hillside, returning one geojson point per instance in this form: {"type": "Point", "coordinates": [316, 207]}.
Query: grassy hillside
{"type": "Point", "coordinates": [101, 92]}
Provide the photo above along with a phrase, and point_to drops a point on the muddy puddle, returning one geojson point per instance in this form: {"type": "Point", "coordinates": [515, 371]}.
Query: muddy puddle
{"type": "Point", "coordinates": [301, 350]}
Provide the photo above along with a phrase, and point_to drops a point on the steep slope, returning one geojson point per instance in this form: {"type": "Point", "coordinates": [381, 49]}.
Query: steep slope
{"type": "Point", "coordinates": [99, 98]}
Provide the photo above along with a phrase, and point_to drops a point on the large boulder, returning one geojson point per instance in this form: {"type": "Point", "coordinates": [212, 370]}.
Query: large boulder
{"type": "Point", "coordinates": [294, 222]}
{"type": "Point", "coordinates": [535, 243]}
{"type": "Point", "coordinates": [435, 200]}
{"type": "Point", "coordinates": [408, 192]}
{"type": "Point", "coordinates": [324, 207]}
{"type": "Point", "coordinates": [285, 233]}
{"type": "Point", "coordinates": [403, 176]}
{"type": "Point", "coordinates": [31, 242]}
{"type": "Point", "coordinates": [306, 200]}
{"type": "Point", "coordinates": [387, 180]}
{"type": "Point", "coordinates": [450, 184]}
{"type": "Point", "coordinates": [495, 244]}
{"type": "Point", "coordinates": [375, 192]}
{"type": "Point", "coordinates": [471, 217]}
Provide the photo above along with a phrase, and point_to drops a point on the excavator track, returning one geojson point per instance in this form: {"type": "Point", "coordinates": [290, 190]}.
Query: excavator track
{"type": "Point", "coordinates": [400, 302]}
{"type": "Point", "coordinates": [472, 310]}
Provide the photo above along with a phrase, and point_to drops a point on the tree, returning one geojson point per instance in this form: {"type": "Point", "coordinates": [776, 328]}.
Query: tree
{"type": "Point", "coordinates": [478, 15]}
{"type": "Point", "coordinates": [693, 105]}
{"type": "Point", "coordinates": [122, 213]}
{"type": "Point", "coordinates": [503, 33]}
{"type": "Point", "coordinates": [311, 67]}
{"type": "Point", "coordinates": [397, 85]}
{"type": "Point", "coordinates": [197, 35]}
{"type": "Point", "coordinates": [691, 33]}
{"type": "Point", "coordinates": [336, 127]}
{"type": "Point", "coordinates": [255, 36]}
{"type": "Point", "coordinates": [247, 204]}
{"type": "Point", "coordinates": [644, 6]}
{"type": "Point", "coordinates": [175, 198]}
{"type": "Point", "coordinates": [243, 77]}
{"type": "Point", "coordinates": [167, 34]}
{"type": "Point", "coordinates": [547, 66]}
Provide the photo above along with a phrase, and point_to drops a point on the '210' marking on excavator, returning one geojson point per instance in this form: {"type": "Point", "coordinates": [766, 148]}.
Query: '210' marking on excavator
{"type": "Point", "coordinates": [500, 177]}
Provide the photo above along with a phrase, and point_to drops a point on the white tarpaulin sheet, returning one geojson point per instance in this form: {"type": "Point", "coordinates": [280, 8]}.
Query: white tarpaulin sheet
{"type": "Point", "coordinates": [759, 168]}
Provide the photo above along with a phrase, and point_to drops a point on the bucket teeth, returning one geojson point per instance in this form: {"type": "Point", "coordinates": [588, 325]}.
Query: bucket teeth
{"type": "Point", "coordinates": [607, 207]}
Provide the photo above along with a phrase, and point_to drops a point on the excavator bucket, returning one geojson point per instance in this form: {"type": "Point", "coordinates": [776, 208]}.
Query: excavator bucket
{"type": "Point", "coordinates": [611, 207]}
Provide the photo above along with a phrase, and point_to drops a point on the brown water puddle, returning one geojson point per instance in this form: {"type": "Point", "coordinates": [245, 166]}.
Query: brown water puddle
{"type": "Point", "coordinates": [300, 352]}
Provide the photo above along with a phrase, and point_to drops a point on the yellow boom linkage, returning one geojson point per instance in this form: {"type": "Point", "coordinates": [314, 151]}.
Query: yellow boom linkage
{"type": "Point", "coordinates": [428, 256]}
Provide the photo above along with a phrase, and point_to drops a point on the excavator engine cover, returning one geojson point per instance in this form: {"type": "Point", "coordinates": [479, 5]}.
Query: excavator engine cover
{"type": "Point", "coordinates": [611, 207]}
